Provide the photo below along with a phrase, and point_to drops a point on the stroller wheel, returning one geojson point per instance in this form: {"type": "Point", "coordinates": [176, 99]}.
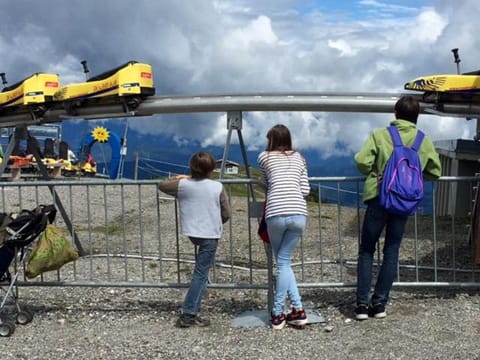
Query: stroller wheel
{"type": "Point", "coordinates": [7, 328]}
{"type": "Point", "coordinates": [24, 317]}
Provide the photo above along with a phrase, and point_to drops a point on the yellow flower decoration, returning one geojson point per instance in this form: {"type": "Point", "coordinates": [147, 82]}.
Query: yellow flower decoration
{"type": "Point", "coordinates": [100, 134]}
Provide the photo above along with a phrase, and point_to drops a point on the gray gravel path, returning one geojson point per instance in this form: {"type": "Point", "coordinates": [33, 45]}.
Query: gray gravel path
{"type": "Point", "coordinates": [104, 323]}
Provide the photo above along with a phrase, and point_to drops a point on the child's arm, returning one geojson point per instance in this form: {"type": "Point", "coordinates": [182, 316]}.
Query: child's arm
{"type": "Point", "coordinates": [169, 186]}
{"type": "Point", "coordinates": [225, 207]}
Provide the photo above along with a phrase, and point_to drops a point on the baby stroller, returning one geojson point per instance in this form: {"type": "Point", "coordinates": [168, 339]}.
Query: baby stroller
{"type": "Point", "coordinates": [17, 232]}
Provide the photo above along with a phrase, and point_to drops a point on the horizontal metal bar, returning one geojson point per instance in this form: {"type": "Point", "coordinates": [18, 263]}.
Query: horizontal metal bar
{"type": "Point", "coordinates": [321, 102]}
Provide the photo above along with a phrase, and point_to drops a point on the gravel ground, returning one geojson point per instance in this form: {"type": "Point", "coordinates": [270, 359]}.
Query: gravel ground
{"type": "Point", "coordinates": [117, 323]}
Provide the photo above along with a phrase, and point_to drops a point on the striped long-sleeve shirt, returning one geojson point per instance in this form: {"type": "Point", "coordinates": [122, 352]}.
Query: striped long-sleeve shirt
{"type": "Point", "coordinates": [286, 178]}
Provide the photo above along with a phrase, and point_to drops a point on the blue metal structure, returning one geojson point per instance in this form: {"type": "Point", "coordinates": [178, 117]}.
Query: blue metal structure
{"type": "Point", "coordinates": [115, 144]}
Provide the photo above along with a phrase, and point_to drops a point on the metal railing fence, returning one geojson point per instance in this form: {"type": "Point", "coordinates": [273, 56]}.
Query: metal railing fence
{"type": "Point", "coordinates": [129, 235]}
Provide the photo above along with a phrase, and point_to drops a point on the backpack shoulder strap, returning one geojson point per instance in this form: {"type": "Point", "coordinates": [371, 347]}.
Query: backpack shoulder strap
{"type": "Point", "coordinates": [418, 140]}
{"type": "Point", "coordinates": [395, 135]}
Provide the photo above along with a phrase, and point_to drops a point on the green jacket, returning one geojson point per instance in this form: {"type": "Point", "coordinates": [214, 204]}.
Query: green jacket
{"type": "Point", "coordinates": [373, 156]}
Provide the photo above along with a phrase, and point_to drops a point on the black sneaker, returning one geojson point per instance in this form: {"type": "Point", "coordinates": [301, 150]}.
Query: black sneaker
{"type": "Point", "coordinates": [361, 312]}
{"type": "Point", "coordinates": [188, 320]}
{"type": "Point", "coordinates": [378, 311]}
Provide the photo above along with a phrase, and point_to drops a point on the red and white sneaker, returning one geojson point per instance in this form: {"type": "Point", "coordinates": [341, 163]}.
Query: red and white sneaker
{"type": "Point", "coordinates": [278, 321]}
{"type": "Point", "coordinates": [297, 317]}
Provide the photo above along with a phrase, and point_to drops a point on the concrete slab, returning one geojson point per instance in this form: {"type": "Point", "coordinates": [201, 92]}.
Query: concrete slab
{"type": "Point", "coordinates": [261, 318]}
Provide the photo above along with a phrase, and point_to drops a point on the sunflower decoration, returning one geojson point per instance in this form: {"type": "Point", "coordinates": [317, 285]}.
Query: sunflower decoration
{"type": "Point", "coordinates": [100, 134]}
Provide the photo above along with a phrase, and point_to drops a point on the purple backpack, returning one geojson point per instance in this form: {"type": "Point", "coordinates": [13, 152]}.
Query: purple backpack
{"type": "Point", "coordinates": [401, 189]}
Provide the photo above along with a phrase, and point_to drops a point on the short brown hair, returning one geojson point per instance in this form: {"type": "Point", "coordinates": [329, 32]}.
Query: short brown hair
{"type": "Point", "coordinates": [201, 165]}
{"type": "Point", "coordinates": [407, 108]}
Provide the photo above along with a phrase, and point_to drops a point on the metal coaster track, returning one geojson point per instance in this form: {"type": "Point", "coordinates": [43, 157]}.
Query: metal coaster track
{"type": "Point", "coordinates": [317, 102]}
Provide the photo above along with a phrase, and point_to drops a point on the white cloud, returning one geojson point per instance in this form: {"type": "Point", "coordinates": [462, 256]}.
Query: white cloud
{"type": "Point", "coordinates": [217, 132]}
{"type": "Point", "coordinates": [257, 31]}
{"type": "Point", "coordinates": [427, 27]}
{"type": "Point", "coordinates": [392, 66]}
{"type": "Point", "coordinates": [385, 7]}
{"type": "Point", "coordinates": [444, 128]}
{"type": "Point", "coordinates": [177, 48]}
{"type": "Point", "coordinates": [343, 47]}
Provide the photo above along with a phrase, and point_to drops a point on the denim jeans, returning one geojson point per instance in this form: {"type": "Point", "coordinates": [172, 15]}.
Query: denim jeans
{"type": "Point", "coordinates": [284, 232]}
{"type": "Point", "coordinates": [204, 261]}
{"type": "Point", "coordinates": [376, 219]}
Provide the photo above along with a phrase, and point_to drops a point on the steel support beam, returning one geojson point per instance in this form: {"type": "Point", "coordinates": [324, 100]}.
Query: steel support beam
{"type": "Point", "coordinates": [316, 102]}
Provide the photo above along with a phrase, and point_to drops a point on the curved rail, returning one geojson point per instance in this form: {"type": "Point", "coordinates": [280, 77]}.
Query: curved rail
{"type": "Point", "coordinates": [321, 102]}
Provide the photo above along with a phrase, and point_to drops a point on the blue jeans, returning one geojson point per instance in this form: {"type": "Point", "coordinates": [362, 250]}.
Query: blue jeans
{"type": "Point", "coordinates": [204, 261]}
{"type": "Point", "coordinates": [284, 233]}
{"type": "Point", "coordinates": [377, 218]}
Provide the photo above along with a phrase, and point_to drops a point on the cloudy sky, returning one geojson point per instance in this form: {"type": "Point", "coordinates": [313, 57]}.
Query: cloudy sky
{"type": "Point", "coordinates": [238, 46]}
